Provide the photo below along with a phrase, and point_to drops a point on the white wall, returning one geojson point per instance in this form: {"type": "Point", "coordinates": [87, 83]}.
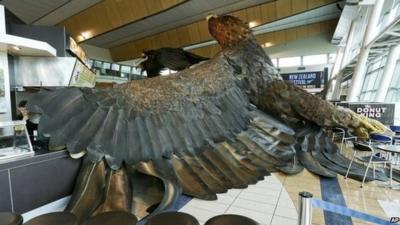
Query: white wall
{"type": "Point", "coordinates": [4, 66]}
{"type": "Point", "coordinates": [318, 44]}
{"type": "Point", "coordinates": [95, 52]}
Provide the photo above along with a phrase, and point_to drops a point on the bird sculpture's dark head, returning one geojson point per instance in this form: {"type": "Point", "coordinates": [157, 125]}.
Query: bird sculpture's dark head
{"type": "Point", "coordinates": [228, 30]}
{"type": "Point", "coordinates": [149, 54]}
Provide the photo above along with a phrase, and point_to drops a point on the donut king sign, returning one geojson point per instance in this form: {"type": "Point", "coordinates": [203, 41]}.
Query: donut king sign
{"type": "Point", "coordinates": [384, 113]}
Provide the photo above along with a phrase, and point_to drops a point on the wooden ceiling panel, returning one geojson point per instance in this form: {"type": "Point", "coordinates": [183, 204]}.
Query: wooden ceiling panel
{"type": "Point", "coordinates": [279, 37]}
{"type": "Point", "coordinates": [111, 14]}
{"type": "Point", "coordinates": [198, 32]}
{"type": "Point", "coordinates": [299, 6]}
{"type": "Point", "coordinates": [284, 8]}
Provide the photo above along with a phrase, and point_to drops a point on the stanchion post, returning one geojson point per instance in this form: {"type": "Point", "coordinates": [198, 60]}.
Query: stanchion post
{"type": "Point", "coordinates": [305, 209]}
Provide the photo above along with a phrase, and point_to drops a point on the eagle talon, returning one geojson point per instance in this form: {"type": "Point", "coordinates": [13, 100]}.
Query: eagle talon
{"type": "Point", "coordinates": [368, 126]}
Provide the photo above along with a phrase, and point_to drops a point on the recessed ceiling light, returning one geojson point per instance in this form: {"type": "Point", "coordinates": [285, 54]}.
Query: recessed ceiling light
{"type": "Point", "coordinates": [267, 44]}
{"type": "Point", "coordinates": [253, 24]}
{"type": "Point", "coordinates": [85, 35]}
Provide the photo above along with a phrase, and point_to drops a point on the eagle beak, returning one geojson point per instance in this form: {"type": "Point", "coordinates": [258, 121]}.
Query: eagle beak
{"type": "Point", "coordinates": [211, 16]}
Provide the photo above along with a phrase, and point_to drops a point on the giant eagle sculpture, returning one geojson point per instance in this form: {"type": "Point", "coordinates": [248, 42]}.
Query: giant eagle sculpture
{"type": "Point", "coordinates": [225, 123]}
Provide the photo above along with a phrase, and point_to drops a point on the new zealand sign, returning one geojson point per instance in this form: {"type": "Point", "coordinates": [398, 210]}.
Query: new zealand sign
{"type": "Point", "coordinates": [306, 80]}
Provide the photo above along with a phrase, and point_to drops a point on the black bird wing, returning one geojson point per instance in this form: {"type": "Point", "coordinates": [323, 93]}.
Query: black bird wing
{"type": "Point", "coordinates": [177, 58]}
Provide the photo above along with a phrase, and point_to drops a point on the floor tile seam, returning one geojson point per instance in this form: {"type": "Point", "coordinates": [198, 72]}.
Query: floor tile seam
{"type": "Point", "coordinates": [200, 208]}
{"type": "Point", "coordinates": [273, 215]}
{"type": "Point", "coordinates": [258, 201]}
{"type": "Point", "coordinates": [236, 197]}
{"type": "Point", "coordinates": [255, 210]}
{"type": "Point", "coordinates": [266, 195]}
{"type": "Point", "coordinates": [284, 217]}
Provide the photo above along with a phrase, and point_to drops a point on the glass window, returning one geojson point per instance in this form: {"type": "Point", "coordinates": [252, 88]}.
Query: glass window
{"type": "Point", "coordinates": [289, 62]}
{"type": "Point", "coordinates": [275, 62]}
{"type": "Point", "coordinates": [126, 69]}
{"type": "Point", "coordinates": [106, 65]}
{"type": "Point", "coordinates": [372, 79]}
{"type": "Point", "coordinates": [393, 94]}
{"type": "Point", "coordinates": [315, 60]}
{"type": "Point", "coordinates": [115, 67]}
{"type": "Point", "coordinates": [90, 63]}
{"type": "Point", "coordinates": [98, 64]}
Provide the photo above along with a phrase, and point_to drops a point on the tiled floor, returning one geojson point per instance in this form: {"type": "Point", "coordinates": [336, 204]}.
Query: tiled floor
{"type": "Point", "coordinates": [274, 200]}
{"type": "Point", "coordinates": [267, 202]}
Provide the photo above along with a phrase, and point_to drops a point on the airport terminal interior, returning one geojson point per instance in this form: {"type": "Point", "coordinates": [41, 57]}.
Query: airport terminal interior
{"type": "Point", "coordinates": [199, 112]}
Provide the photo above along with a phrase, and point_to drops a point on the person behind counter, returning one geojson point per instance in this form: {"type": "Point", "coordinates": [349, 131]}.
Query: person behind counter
{"type": "Point", "coordinates": [30, 126]}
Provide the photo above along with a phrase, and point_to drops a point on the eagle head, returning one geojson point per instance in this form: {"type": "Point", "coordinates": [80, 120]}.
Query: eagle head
{"type": "Point", "coordinates": [228, 30]}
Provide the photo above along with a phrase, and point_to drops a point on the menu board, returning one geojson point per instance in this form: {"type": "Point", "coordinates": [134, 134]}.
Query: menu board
{"type": "Point", "coordinates": [306, 80]}
{"type": "Point", "coordinates": [82, 76]}
{"type": "Point", "coordinates": [3, 103]}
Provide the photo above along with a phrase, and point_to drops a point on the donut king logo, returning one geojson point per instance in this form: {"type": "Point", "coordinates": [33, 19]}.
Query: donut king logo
{"type": "Point", "coordinates": [371, 112]}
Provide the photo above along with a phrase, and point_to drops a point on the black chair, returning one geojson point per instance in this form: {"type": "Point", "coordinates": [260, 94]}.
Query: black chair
{"type": "Point", "coordinates": [230, 219]}
{"type": "Point", "coordinates": [172, 218]}
{"type": "Point", "coordinates": [55, 218]}
{"type": "Point", "coordinates": [112, 218]}
{"type": "Point", "coordinates": [369, 158]}
{"type": "Point", "coordinates": [8, 218]}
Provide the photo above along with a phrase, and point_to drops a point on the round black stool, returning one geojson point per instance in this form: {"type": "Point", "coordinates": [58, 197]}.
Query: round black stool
{"type": "Point", "coordinates": [230, 219]}
{"type": "Point", "coordinates": [8, 218]}
{"type": "Point", "coordinates": [112, 218]}
{"type": "Point", "coordinates": [55, 218]}
{"type": "Point", "coordinates": [172, 218]}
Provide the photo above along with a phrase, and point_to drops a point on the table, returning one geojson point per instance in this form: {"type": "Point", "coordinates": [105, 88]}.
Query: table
{"type": "Point", "coordinates": [389, 148]}
{"type": "Point", "coordinates": [392, 149]}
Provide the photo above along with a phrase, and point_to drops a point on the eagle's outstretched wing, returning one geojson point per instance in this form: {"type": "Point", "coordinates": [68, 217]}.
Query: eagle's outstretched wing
{"type": "Point", "coordinates": [145, 120]}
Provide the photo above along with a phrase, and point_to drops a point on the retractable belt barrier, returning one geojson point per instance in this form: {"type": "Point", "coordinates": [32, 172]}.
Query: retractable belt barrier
{"type": "Point", "coordinates": [307, 203]}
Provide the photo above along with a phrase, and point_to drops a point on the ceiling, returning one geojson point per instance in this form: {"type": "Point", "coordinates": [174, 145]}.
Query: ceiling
{"type": "Point", "coordinates": [182, 14]}
{"type": "Point", "coordinates": [56, 12]}
{"type": "Point", "coordinates": [46, 12]}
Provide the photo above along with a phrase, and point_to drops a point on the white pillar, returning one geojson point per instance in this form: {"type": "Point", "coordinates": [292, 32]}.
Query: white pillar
{"type": "Point", "coordinates": [359, 72]}
{"type": "Point", "coordinates": [2, 20]}
{"type": "Point", "coordinates": [335, 69]}
{"type": "Point", "coordinates": [338, 85]}
{"type": "Point", "coordinates": [388, 72]}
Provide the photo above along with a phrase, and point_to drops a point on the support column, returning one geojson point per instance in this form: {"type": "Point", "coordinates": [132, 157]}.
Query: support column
{"type": "Point", "coordinates": [335, 69]}
{"type": "Point", "coordinates": [349, 41]}
{"type": "Point", "coordinates": [359, 72]}
{"type": "Point", "coordinates": [388, 72]}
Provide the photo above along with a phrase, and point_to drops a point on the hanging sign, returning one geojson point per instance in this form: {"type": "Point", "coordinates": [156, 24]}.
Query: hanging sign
{"type": "Point", "coordinates": [306, 80]}
{"type": "Point", "coordinates": [382, 112]}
